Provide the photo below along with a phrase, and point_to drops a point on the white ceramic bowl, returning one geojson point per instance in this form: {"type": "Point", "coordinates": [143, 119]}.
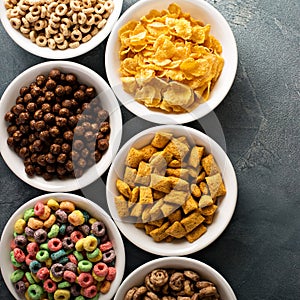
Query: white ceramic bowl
{"type": "Point", "coordinates": [198, 9]}
{"type": "Point", "coordinates": [108, 102]}
{"type": "Point", "coordinates": [46, 52]}
{"type": "Point", "coordinates": [223, 214]}
{"type": "Point", "coordinates": [181, 263]}
{"type": "Point", "coordinates": [82, 203]}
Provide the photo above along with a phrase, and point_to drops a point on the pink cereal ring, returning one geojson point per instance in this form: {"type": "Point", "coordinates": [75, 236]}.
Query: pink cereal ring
{"type": "Point", "coordinates": [49, 286]}
{"type": "Point", "coordinates": [90, 292]}
{"type": "Point", "coordinates": [85, 280]}
{"type": "Point", "coordinates": [106, 246]}
{"type": "Point", "coordinates": [39, 209]}
{"type": "Point", "coordinates": [72, 259]}
{"type": "Point", "coordinates": [33, 248]}
{"type": "Point", "coordinates": [19, 255]}
{"type": "Point", "coordinates": [100, 269]}
{"type": "Point", "coordinates": [43, 273]}
{"type": "Point", "coordinates": [13, 244]}
{"type": "Point", "coordinates": [29, 258]}
{"type": "Point", "coordinates": [69, 276]}
{"type": "Point", "coordinates": [54, 244]}
{"type": "Point", "coordinates": [111, 274]}
{"type": "Point", "coordinates": [76, 236]}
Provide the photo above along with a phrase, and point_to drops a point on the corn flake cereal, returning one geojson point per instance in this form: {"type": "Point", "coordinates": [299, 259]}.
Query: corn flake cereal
{"type": "Point", "coordinates": [169, 60]}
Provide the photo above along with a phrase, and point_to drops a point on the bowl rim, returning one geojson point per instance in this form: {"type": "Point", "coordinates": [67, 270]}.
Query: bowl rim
{"type": "Point", "coordinates": [92, 173]}
{"type": "Point", "coordinates": [48, 53]}
{"type": "Point", "coordinates": [163, 261]}
{"type": "Point", "coordinates": [181, 248]}
{"type": "Point", "coordinates": [156, 116]}
{"type": "Point", "coordinates": [8, 230]}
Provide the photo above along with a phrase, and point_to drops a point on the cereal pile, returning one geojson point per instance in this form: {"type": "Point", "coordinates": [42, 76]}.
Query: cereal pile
{"type": "Point", "coordinates": [58, 24]}
{"type": "Point", "coordinates": [169, 60]}
{"type": "Point", "coordinates": [170, 188]}
{"type": "Point", "coordinates": [57, 126]}
{"type": "Point", "coordinates": [60, 252]}
{"type": "Point", "coordinates": [172, 284]}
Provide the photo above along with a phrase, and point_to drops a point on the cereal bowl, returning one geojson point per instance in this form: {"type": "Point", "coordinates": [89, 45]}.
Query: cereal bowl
{"type": "Point", "coordinates": [47, 52]}
{"type": "Point", "coordinates": [82, 204]}
{"type": "Point", "coordinates": [219, 28]}
{"type": "Point", "coordinates": [133, 228]}
{"type": "Point", "coordinates": [180, 264]}
{"type": "Point", "coordinates": [107, 101]}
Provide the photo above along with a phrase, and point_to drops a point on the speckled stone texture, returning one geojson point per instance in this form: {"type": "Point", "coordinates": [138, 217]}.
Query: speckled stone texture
{"type": "Point", "coordinates": [259, 252]}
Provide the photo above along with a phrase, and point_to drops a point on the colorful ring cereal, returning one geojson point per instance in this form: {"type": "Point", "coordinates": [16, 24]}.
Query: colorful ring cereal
{"type": "Point", "coordinates": [60, 252]}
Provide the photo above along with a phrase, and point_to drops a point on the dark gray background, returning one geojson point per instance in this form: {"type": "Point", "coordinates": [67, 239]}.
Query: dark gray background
{"type": "Point", "coordinates": [259, 252]}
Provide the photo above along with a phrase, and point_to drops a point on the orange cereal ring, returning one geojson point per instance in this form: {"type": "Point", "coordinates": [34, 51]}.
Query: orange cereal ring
{"type": "Point", "coordinates": [46, 214]}
{"type": "Point", "coordinates": [76, 218]}
{"type": "Point", "coordinates": [67, 206]}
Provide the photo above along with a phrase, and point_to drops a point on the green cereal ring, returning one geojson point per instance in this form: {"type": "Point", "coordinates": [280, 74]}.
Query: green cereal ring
{"type": "Point", "coordinates": [64, 260]}
{"type": "Point", "coordinates": [54, 231]}
{"type": "Point", "coordinates": [78, 255]}
{"type": "Point", "coordinates": [42, 255]}
{"type": "Point", "coordinates": [16, 276]}
{"type": "Point", "coordinates": [79, 298]}
{"type": "Point", "coordinates": [29, 278]}
{"type": "Point", "coordinates": [93, 254]}
{"type": "Point", "coordinates": [28, 214]}
{"type": "Point", "coordinates": [35, 292]}
{"type": "Point", "coordinates": [62, 229]}
{"type": "Point", "coordinates": [44, 246]}
{"type": "Point", "coordinates": [64, 284]}
{"type": "Point", "coordinates": [85, 266]}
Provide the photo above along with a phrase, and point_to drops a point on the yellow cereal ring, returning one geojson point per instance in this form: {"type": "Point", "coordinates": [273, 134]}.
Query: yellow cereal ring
{"type": "Point", "coordinates": [55, 279]}
{"type": "Point", "coordinates": [30, 239]}
{"type": "Point", "coordinates": [61, 294]}
{"type": "Point", "coordinates": [50, 221]}
{"type": "Point", "coordinates": [90, 243]}
{"type": "Point", "coordinates": [27, 296]}
{"type": "Point", "coordinates": [97, 278]}
{"type": "Point", "coordinates": [48, 263]}
{"type": "Point", "coordinates": [35, 277]}
{"type": "Point", "coordinates": [46, 214]}
{"type": "Point", "coordinates": [79, 245]}
{"type": "Point", "coordinates": [92, 221]}
{"type": "Point", "coordinates": [35, 223]}
{"type": "Point", "coordinates": [76, 218]}
{"type": "Point", "coordinates": [53, 204]}
{"type": "Point", "coordinates": [67, 206]}
{"type": "Point", "coordinates": [20, 226]}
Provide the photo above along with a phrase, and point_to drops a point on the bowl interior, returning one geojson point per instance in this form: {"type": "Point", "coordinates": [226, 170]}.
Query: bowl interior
{"type": "Point", "coordinates": [46, 52]}
{"type": "Point", "coordinates": [223, 213]}
{"type": "Point", "coordinates": [219, 28]}
{"type": "Point", "coordinates": [108, 102]}
{"type": "Point", "coordinates": [181, 263]}
{"type": "Point", "coordinates": [83, 203]}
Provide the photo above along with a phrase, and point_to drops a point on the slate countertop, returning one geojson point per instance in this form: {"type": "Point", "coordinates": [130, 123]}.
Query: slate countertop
{"type": "Point", "coordinates": [259, 252]}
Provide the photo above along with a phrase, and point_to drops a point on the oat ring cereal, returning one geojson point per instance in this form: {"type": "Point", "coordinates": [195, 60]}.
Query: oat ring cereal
{"type": "Point", "coordinates": [42, 20]}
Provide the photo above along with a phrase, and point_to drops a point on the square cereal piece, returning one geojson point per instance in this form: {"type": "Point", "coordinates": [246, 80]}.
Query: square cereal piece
{"type": "Point", "coordinates": [179, 184]}
{"type": "Point", "coordinates": [129, 176]}
{"type": "Point", "coordinates": [148, 151]}
{"type": "Point", "coordinates": [160, 160]}
{"type": "Point", "coordinates": [167, 209]}
{"type": "Point", "coordinates": [209, 219]}
{"type": "Point", "coordinates": [175, 216]}
{"type": "Point", "coordinates": [205, 200]}
{"type": "Point", "coordinates": [121, 206]}
{"type": "Point", "coordinates": [176, 230]}
{"type": "Point", "coordinates": [160, 183]}
{"type": "Point", "coordinates": [189, 205]}
{"type": "Point", "coordinates": [196, 233]}
{"type": "Point", "coordinates": [159, 234]}
{"type": "Point", "coordinates": [178, 149]}
{"type": "Point", "coordinates": [200, 177]}
{"type": "Point", "coordinates": [195, 156]}
{"type": "Point", "coordinates": [137, 210]}
{"type": "Point", "coordinates": [145, 195]}
{"type": "Point", "coordinates": [143, 174]}
{"type": "Point", "coordinates": [215, 185]}
{"type": "Point", "coordinates": [176, 164]}
{"type": "Point", "coordinates": [194, 172]}
{"type": "Point", "coordinates": [209, 210]}
{"type": "Point", "coordinates": [176, 197]}
{"type": "Point", "coordinates": [123, 188]}
{"type": "Point", "coordinates": [209, 165]}
{"type": "Point", "coordinates": [146, 217]}
{"type": "Point", "coordinates": [134, 157]}
{"type": "Point", "coordinates": [134, 195]}
{"type": "Point", "coordinates": [192, 221]}
{"type": "Point", "coordinates": [161, 139]}
{"type": "Point", "coordinates": [139, 225]}
{"type": "Point", "coordinates": [157, 222]}
{"type": "Point", "coordinates": [180, 173]}
{"type": "Point", "coordinates": [155, 211]}
{"type": "Point", "coordinates": [183, 140]}
{"type": "Point", "coordinates": [169, 239]}
{"type": "Point", "coordinates": [157, 194]}
{"type": "Point", "coordinates": [149, 228]}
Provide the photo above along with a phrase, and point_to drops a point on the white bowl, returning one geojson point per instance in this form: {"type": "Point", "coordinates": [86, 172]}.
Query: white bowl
{"type": "Point", "coordinates": [46, 52]}
{"type": "Point", "coordinates": [223, 214]}
{"type": "Point", "coordinates": [219, 28]}
{"type": "Point", "coordinates": [108, 102]}
{"type": "Point", "coordinates": [83, 203]}
{"type": "Point", "coordinates": [182, 263]}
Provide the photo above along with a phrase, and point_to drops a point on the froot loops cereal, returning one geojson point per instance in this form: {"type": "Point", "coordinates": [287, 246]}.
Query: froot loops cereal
{"type": "Point", "coordinates": [60, 252]}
